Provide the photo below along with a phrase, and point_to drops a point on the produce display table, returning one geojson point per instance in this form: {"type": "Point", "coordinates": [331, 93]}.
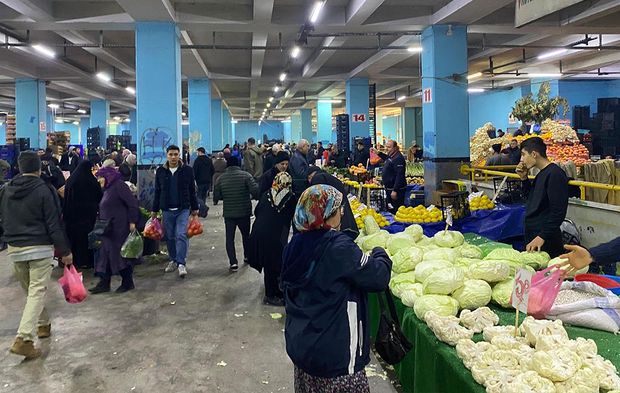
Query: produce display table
{"type": "Point", "coordinates": [433, 366]}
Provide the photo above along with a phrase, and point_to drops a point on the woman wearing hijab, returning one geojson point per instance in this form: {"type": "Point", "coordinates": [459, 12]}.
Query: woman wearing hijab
{"type": "Point", "coordinates": [269, 235]}
{"type": "Point", "coordinates": [128, 169]}
{"type": "Point", "coordinates": [325, 279]}
{"type": "Point", "coordinates": [120, 207]}
{"type": "Point", "coordinates": [280, 165]}
{"type": "Point", "coordinates": [81, 204]}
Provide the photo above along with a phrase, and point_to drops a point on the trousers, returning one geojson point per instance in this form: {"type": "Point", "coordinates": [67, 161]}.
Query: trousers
{"type": "Point", "coordinates": [175, 230]}
{"type": "Point", "coordinates": [33, 277]}
{"type": "Point", "coordinates": [231, 224]}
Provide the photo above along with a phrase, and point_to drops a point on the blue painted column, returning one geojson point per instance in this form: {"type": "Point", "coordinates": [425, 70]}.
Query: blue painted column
{"type": "Point", "coordinates": [412, 126]}
{"type": "Point", "coordinates": [445, 110]}
{"type": "Point", "coordinates": [158, 90]}
{"type": "Point", "coordinates": [30, 111]}
{"type": "Point", "coordinates": [295, 127]}
{"type": "Point", "coordinates": [226, 134]}
{"type": "Point", "coordinates": [50, 122]}
{"type": "Point", "coordinates": [357, 104]}
{"type": "Point", "coordinates": [233, 132]}
{"type": "Point", "coordinates": [99, 117]}
{"type": "Point", "coordinates": [84, 126]}
{"type": "Point", "coordinates": [324, 121]}
{"type": "Point", "coordinates": [306, 124]}
{"type": "Point", "coordinates": [133, 126]}
{"type": "Point", "coordinates": [217, 125]}
{"type": "Point", "coordinates": [286, 126]}
{"type": "Point", "coordinates": [199, 101]}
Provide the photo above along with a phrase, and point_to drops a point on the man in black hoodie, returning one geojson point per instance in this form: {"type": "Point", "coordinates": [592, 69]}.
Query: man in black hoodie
{"type": "Point", "coordinates": [30, 218]}
{"type": "Point", "coordinates": [203, 174]}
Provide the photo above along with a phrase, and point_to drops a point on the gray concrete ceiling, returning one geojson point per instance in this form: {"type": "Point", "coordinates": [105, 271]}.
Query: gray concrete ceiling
{"type": "Point", "coordinates": [253, 40]}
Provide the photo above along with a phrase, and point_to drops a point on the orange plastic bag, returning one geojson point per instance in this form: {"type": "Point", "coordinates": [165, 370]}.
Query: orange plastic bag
{"type": "Point", "coordinates": [72, 286]}
{"type": "Point", "coordinates": [374, 158]}
{"type": "Point", "coordinates": [194, 227]}
{"type": "Point", "coordinates": [153, 229]}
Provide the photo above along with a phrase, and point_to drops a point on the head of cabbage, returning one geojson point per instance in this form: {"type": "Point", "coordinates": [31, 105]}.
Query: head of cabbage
{"type": "Point", "coordinates": [399, 282]}
{"type": "Point", "coordinates": [489, 271]}
{"type": "Point", "coordinates": [415, 231]}
{"type": "Point", "coordinates": [426, 241]}
{"type": "Point", "coordinates": [398, 241]}
{"type": "Point", "coordinates": [410, 294]}
{"type": "Point", "coordinates": [465, 262]}
{"type": "Point", "coordinates": [537, 260]}
{"type": "Point", "coordinates": [406, 259]}
{"type": "Point", "coordinates": [450, 239]}
{"type": "Point", "coordinates": [506, 254]}
{"type": "Point", "coordinates": [447, 254]}
{"type": "Point", "coordinates": [377, 239]}
{"type": "Point", "coordinates": [441, 304]}
{"type": "Point", "coordinates": [473, 294]}
{"type": "Point", "coordinates": [470, 251]}
{"type": "Point", "coordinates": [502, 292]}
{"type": "Point", "coordinates": [425, 268]}
{"type": "Point", "coordinates": [444, 281]}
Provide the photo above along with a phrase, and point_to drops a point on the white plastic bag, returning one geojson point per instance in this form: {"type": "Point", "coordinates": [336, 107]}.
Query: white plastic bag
{"type": "Point", "coordinates": [601, 313]}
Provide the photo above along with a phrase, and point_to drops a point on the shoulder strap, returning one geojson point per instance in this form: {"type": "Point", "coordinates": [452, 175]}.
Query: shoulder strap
{"type": "Point", "coordinates": [390, 305]}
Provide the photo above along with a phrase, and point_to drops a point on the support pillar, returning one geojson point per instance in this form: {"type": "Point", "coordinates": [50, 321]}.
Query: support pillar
{"type": "Point", "coordinates": [295, 127]}
{"type": "Point", "coordinates": [84, 126]}
{"type": "Point", "coordinates": [306, 124]}
{"type": "Point", "coordinates": [133, 126]}
{"type": "Point", "coordinates": [30, 111]}
{"type": "Point", "coordinates": [412, 126]}
{"type": "Point", "coordinates": [286, 126]}
{"type": "Point", "coordinates": [324, 121]}
{"type": "Point", "coordinates": [217, 125]}
{"type": "Point", "coordinates": [226, 135]}
{"type": "Point", "coordinates": [445, 105]}
{"type": "Point", "coordinates": [158, 90]}
{"type": "Point", "coordinates": [357, 104]}
{"type": "Point", "coordinates": [99, 117]}
{"type": "Point", "coordinates": [199, 101]}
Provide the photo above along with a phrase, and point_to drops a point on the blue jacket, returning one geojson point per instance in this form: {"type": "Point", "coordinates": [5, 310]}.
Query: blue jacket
{"type": "Point", "coordinates": [325, 279]}
{"type": "Point", "coordinates": [393, 177]}
{"type": "Point", "coordinates": [607, 253]}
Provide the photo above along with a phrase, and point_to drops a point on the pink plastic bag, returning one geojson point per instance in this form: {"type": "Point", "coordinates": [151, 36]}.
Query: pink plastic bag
{"type": "Point", "coordinates": [153, 229]}
{"type": "Point", "coordinates": [545, 287]}
{"type": "Point", "coordinates": [72, 286]}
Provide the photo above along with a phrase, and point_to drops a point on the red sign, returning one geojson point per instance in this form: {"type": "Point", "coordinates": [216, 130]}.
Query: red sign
{"type": "Point", "coordinates": [427, 96]}
{"type": "Point", "coordinates": [521, 290]}
{"type": "Point", "coordinates": [359, 118]}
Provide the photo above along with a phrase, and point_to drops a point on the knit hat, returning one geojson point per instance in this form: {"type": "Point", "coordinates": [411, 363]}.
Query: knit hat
{"type": "Point", "coordinates": [282, 156]}
{"type": "Point", "coordinates": [232, 161]}
{"type": "Point", "coordinates": [29, 162]}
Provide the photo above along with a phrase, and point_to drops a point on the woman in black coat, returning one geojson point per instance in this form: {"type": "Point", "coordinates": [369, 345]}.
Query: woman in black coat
{"type": "Point", "coordinates": [81, 204]}
{"type": "Point", "coordinates": [269, 235]}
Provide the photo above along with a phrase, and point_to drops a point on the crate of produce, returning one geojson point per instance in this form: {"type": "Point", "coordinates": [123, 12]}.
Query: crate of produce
{"type": "Point", "coordinates": [458, 202]}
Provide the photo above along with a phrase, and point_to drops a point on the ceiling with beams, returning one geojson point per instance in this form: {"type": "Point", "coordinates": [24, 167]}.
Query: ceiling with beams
{"type": "Point", "coordinates": [245, 45]}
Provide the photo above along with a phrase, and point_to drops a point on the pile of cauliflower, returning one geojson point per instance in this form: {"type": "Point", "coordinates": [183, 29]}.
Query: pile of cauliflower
{"type": "Point", "coordinates": [541, 358]}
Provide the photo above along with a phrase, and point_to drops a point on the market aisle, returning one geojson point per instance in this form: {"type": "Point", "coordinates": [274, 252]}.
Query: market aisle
{"type": "Point", "coordinates": [167, 335]}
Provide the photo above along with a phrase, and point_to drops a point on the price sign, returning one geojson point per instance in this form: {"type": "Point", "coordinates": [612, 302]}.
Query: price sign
{"type": "Point", "coordinates": [449, 216]}
{"type": "Point", "coordinates": [359, 117]}
{"type": "Point", "coordinates": [521, 290]}
{"type": "Point", "coordinates": [427, 96]}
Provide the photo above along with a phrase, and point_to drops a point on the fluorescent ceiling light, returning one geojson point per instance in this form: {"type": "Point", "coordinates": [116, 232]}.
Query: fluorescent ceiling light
{"type": "Point", "coordinates": [233, 121]}
{"type": "Point", "coordinates": [331, 101]}
{"type": "Point", "coordinates": [183, 113]}
{"type": "Point", "coordinates": [475, 90]}
{"type": "Point", "coordinates": [44, 50]}
{"type": "Point", "coordinates": [552, 54]}
{"type": "Point", "coordinates": [54, 106]}
{"type": "Point", "coordinates": [270, 99]}
{"type": "Point", "coordinates": [127, 120]}
{"type": "Point", "coordinates": [295, 51]}
{"type": "Point", "coordinates": [117, 118]}
{"type": "Point", "coordinates": [58, 120]}
{"type": "Point", "coordinates": [474, 75]}
{"type": "Point", "coordinates": [544, 75]}
{"type": "Point", "coordinates": [268, 105]}
{"type": "Point", "coordinates": [276, 88]}
{"type": "Point", "coordinates": [316, 11]}
{"type": "Point", "coordinates": [282, 76]}
{"type": "Point", "coordinates": [401, 98]}
{"type": "Point", "coordinates": [77, 123]}
{"type": "Point", "coordinates": [130, 90]}
{"type": "Point", "coordinates": [104, 77]}
{"type": "Point", "coordinates": [414, 49]}
{"type": "Point", "coordinates": [82, 111]}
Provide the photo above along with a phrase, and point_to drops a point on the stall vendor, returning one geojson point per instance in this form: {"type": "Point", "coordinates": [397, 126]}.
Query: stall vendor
{"type": "Point", "coordinates": [393, 177]}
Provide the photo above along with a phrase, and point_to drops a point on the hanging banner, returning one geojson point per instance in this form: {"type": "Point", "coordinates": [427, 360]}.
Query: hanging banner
{"type": "Point", "coordinates": [527, 11]}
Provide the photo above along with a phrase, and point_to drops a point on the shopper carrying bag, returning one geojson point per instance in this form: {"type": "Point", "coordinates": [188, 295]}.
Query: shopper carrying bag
{"type": "Point", "coordinates": [390, 343]}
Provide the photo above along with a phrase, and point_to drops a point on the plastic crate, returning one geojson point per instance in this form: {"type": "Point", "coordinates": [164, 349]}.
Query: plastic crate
{"type": "Point", "coordinates": [458, 202]}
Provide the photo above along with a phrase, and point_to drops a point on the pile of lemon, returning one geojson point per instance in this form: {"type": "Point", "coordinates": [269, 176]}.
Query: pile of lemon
{"type": "Point", "coordinates": [351, 183]}
{"type": "Point", "coordinates": [359, 220]}
{"type": "Point", "coordinates": [481, 203]}
{"type": "Point", "coordinates": [418, 215]}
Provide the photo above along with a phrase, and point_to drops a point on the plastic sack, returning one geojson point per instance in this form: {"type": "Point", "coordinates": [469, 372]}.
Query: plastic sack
{"type": "Point", "coordinates": [153, 229]}
{"type": "Point", "coordinates": [133, 246]}
{"type": "Point", "coordinates": [374, 158]}
{"type": "Point", "coordinates": [601, 312]}
{"type": "Point", "coordinates": [72, 286]}
{"type": "Point", "coordinates": [544, 289]}
{"type": "Point", "coordinates": [194, 227]}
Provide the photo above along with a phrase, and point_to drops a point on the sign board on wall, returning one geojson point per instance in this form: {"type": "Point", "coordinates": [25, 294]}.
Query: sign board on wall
{"type": "Point", "coordinates": [359, 118]}
{"type": "Point", "coordinates": [527, 11]}
{"type": "Point", "coordinates": [427, 96]}
{"type": "Point", "coordinates": [41, 126]}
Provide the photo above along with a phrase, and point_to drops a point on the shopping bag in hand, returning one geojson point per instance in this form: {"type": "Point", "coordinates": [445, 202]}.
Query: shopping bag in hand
{"type": "Point", "coordinates": [544, 289]}
{"type": "Point", "coordinates": [72, 286]}
{"type": "Point", "coordinates": [374, 158]}
{"type": "Point", "coordinates": [133, 246]}
{"type": "Point", "coordinates": [194, 227]}
{"type": "Point", "coordinates": [153, 229]}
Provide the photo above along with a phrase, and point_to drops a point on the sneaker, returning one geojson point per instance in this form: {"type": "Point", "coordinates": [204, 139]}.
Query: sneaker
{"type": "Point", "coordinates": [182, 271]}
{"type": "Point", "coordinates": [172, 266]}
{"type": "Point", "coordinates": [44, 331]}
{"type": "Point", "coordinates": [25, 348]}
{"type": "Point", "coordinates": [234, 267]}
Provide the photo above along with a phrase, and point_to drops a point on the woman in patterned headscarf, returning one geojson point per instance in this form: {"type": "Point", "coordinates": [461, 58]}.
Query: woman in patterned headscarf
{"type": "Point", "coordinates": [325, 279]}
{"type": "Point", "coordinates": [274, 213]}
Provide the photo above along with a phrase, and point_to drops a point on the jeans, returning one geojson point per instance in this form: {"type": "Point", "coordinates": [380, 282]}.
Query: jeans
{"type": "Point", "coordinates": [33, 277]}
{"type": "Point", "coordinates": [243, 223]}
{"type": "Point", "coordinates": [175, 229]}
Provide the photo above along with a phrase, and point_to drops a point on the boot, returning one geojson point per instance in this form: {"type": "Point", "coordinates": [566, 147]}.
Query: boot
{"type": "Point", "coordinates": [102, 286]}
{"type": "Point", "coordinates": [25, 348]}
{"type": "Point", "coordinates": [44, 331]}
{"type": "Point", "coordinates": [273, 301]}
{"type": "Point", "coordinates": [127, 281]}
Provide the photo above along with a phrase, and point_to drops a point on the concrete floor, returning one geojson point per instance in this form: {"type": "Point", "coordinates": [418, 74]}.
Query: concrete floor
{"type": "Point", "coordinates": [207, 333]}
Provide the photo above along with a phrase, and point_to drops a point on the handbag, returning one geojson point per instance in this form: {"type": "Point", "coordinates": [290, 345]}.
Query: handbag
{"type": "Point", "coordinates": [101, 228]}
{"type": "Point", "coordinates": [390, 343]}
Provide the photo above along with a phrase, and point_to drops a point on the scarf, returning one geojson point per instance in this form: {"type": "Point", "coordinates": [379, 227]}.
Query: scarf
{"type": "Point", "coordinates": [316, 204]}
{"type": "Point", "coordinates": [280, 192]}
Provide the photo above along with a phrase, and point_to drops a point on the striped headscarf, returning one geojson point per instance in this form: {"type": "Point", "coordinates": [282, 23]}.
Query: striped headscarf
{"type": "Point", "coordinates": [316, 204]}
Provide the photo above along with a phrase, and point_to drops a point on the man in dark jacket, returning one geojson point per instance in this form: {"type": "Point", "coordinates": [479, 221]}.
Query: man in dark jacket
{"type": "Point", "coordinates": [236, 188]}
{"type": "Point", "coordinates": [175, 195]}
{"type": "Point", "coordinates": [513, 152]}
{"type": "Point", "coordinates": [70, 160]}
{"type": "Point", "coordinates": [298, 167]}
{"type": "Point", "coordinates": [393, 177]}
{"type": "Point", "coordinates": [253, 159]}
{"type": "Point", "coordinates": [30, 219]}
{"type": "Point", "coordinates": [362, 155]}
{"type": "Point", "coordinates": [547, 199]}
{"type": "Point", "coordinates": [203, 173]}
